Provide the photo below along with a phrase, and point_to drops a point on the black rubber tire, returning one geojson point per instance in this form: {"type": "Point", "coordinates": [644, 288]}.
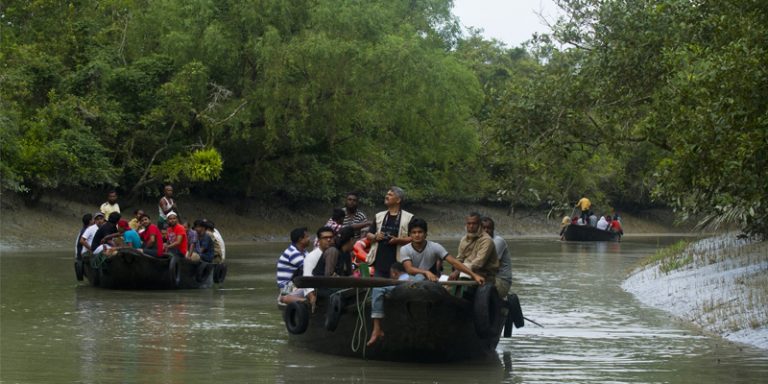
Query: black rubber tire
{"type": "Point", "coordinates": [296, 317]}
{"type": "Point", "coordinates": [219, 273]}
{"type": "Point", "coordinates": [487, 308]}
{"type": "Point", "coordinates": [174, 271]}
{"type": "Point", "coordinates": [79, 270]}
{"type": "Point", "coordinates": [333, 315]}
{"type": "Point", "coordinates": [515, 311]}
{"type": "Point", "coordinates": [203, 271]}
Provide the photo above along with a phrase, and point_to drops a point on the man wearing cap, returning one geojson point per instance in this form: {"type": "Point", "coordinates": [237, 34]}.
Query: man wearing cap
{"type": "Point", "coordinates": [105, 232]}
{"type": "Point", "coordinates": [204, 247]}
{"type": "Point", "coordinates": [87, 238]}
{"type": "Point", "coordinates": [111, 204]}
{"type": "Point", "coordinates": [177, 236]}
{"type": "Point", "coordinates": [388, 233]}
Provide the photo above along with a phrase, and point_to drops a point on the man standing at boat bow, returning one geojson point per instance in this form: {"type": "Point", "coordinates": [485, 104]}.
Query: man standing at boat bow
{"type": "Point", "coordinates": [388, 233]}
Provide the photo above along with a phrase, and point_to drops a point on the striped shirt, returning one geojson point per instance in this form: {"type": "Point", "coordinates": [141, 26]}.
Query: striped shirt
{"type": "Point", "coordinates": [291, 260]}
{"type": "Point", "coordinates": [358, 217]}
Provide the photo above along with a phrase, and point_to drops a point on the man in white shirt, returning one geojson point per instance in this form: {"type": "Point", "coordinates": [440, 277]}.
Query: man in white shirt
{"type": "Point", "coordinates": [602, 224]}
{"type": "Point", "coordinates": [90, 232]}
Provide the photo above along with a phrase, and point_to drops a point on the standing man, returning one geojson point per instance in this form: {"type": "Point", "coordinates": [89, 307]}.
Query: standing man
{"type": "Point", "coordinates": [177, 236]}
{"type": "Point", "coordinates": [477, 251]}
{"type": "Point", "coordinates": [165, 205]}
{"type": "Point", "coordinates": [352, 216]}
{"type": "Point", "coordinates": [504, 278]}
{"type": "Point", "coordinates": [111, 204]}
{"type": "Point", "coordinates": [290, 264]}
{"type": "Point", "coordinates": [584, 204]}
{"type": "Point", "coordinates": [388, 233]}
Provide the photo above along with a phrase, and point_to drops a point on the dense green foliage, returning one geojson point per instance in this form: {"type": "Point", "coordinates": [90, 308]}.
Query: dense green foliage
{"type": "Point", "coordinates": [631, 102]}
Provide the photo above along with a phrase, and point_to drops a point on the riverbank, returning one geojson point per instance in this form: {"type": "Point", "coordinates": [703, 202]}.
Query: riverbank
{"type": "Point", "coordinates": [54, 222]}
{"type": "Point", "coordinates": [718, 283]}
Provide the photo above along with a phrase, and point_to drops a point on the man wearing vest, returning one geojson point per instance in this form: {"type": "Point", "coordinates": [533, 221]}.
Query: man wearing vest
{"type": "Point", "coordinates": [388, 233]}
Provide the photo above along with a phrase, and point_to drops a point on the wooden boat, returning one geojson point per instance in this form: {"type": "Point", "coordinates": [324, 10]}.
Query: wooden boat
{"type": "Point", "coordinates": [132, 269]}
{"type": "Point", "coordinates": [424, 321]}
{"type": "Point", "coordinates": [588, 233]}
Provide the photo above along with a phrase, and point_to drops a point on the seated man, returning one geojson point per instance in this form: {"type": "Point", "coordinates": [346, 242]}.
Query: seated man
{"type": "Point", "coordinates": [130, 237]}
{"type": "Point", "coordinates": [105, 232]}
{"type": "Point", "coordinates": [396, 271]}
{"type": "Point", "coordinates": [204, 244]}
{"type": "Point", "coordinates": [177, 236]}
{"type": "Point", "coordinates": [603, 224]}
{"type": "Point", "coordinates": [477, 251]}
{"type": "Point", "coordinates": [421, 255]}
{"type": "Point", "coordinates": [290, 264]}
{"type": "Point", "coordinates": [337, 259]}
{"type": "Point", "coordinates": [151, 237]}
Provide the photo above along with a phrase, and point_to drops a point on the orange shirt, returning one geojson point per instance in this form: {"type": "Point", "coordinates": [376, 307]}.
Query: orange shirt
{"type": "Point", "coordinates": [175, 232]}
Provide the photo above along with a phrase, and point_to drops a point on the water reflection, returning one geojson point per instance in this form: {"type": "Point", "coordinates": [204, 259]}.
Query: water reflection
{"type": "Point", "coordinates": [593, 331]}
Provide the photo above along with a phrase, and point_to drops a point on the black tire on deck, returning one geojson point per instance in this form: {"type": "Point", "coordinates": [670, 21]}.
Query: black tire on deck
{"type": "Point", "coordinates": [335, 309]}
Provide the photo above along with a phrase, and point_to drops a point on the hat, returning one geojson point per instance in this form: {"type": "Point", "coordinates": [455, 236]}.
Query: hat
{"type": "Point", "coordinates": [123, 224]}
{"type": "Point", "coordinates": [97, 214]}
{"type": "Point", "coordinates": [171, 213]}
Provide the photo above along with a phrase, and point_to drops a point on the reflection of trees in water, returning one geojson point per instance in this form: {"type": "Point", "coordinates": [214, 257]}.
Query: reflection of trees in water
{"type": "Point", "coordinates": [139, 336]}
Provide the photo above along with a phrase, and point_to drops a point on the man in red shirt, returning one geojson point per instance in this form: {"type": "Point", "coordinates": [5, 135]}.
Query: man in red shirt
{"type": "Point", "coordinates": [615, 226]}
{"type": "Point", "coordinates": [151, 237]}
{"type": "Point", "coordinates": [177, 236]}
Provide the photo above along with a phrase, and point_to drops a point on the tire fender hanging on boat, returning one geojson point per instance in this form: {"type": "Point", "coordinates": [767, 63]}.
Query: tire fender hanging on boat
{"type": "Point", "coordinates": [296, 317]}
{"type": "Point", "coordinates": [335, 309]}
{"type": "Point", "coordinates": [516, 312]}
{"type": "Point", "coordinates": [219, 273]}
{"type": "Point", "coordinates": [79, 270]}
{"type": "Point", "coordinates": [486, 309]}
{"type": "Point", "coordinates": [174, 271]}
{"type": "Point", "coordinates": [203, 271]}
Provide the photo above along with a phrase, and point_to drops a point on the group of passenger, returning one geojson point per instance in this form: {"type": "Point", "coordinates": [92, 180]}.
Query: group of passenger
{"type": "Point", "coordinates": [399, 249]}
{"type": "Point", "coordinates": [106, 232]}
{"type": "Point", "coordinates": [606, 222]}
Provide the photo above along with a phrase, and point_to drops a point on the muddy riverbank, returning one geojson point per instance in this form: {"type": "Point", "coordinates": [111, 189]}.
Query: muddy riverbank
{"type": "Point", "coordinates": [54, 222]}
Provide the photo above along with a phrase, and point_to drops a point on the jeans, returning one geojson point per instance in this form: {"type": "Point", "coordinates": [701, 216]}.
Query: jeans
{"type": "Point", "coordinates": [377, 301]}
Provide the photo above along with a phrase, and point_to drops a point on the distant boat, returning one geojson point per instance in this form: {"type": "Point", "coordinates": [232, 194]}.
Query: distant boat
{"type": "Point", "coordinates": [424, 321]}
{"type": "Point", "coordinates": [132, 269]}
{"type": "Point", "coordinates": [575, 232]}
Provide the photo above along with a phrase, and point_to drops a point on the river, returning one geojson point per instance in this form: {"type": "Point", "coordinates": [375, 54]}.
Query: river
{"type": "Point", "coordinates": [53, 329]}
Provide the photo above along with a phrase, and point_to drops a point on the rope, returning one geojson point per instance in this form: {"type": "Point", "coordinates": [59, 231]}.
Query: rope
{"type": "Point", "coordinates": [98, 260]}
{"type": "Point", "coordinates": [361, 328]}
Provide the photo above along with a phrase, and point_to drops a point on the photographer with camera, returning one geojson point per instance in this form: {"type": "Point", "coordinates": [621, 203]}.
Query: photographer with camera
{"type": "Point", "coordinates": [388, 233]}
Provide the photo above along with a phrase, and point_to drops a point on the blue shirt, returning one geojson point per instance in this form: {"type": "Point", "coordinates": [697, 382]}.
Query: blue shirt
{"type": "Point", "coordinates": [132, 237]}
{"type": "Point", "coordinates": [204, 247]}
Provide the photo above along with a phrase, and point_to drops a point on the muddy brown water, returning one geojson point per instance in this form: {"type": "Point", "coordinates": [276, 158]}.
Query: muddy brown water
{"type": "Point", "coordinates": [53, 329]}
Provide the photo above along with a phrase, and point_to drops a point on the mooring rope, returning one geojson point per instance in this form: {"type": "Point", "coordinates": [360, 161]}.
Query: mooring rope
{"type": "Point", "coordinates": [361, 328]}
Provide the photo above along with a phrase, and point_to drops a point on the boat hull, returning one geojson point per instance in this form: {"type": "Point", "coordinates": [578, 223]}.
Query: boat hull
{"type": "Point", "coordinates": [132, 269]}
{"type": "Point", "coordinates": [588, 233]}
{"type": "Point", "coordinates": [423, 323]}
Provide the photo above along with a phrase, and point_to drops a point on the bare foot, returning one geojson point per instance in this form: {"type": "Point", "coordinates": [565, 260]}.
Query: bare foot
{"type": "Point", "coordinates": [375, 336]}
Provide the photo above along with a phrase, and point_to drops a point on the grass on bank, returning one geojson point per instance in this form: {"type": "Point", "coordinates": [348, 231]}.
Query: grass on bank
{"type": "Point", "coordinates": [669, 258]}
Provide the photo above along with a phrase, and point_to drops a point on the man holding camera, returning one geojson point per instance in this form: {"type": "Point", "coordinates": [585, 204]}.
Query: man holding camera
{"type": "Point", "coordinates": [388, 233]}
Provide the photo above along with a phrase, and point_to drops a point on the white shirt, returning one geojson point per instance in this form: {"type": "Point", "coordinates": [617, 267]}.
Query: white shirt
{"type": "Point", "coordinates": [220, 240]}
{"type": "Point", "coordinates": [88, 235]}
{"type": "Point", "coordinates": [310, 262]}
{"type": "Point", "coordinates": [602, 224]}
